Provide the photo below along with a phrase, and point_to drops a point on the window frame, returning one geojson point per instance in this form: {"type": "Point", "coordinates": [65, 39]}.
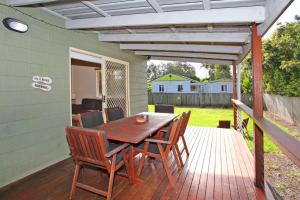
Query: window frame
{"type": "Point", "coordinates": [224, 88]}
{"type": "Point", "coordinates": [161, 88]}
{"type": "Point", "coordinates": [180, 88]}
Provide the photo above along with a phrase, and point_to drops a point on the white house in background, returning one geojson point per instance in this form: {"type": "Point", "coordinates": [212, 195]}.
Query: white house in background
{"type": "Point", "coordinates": [172, 83]}
{"type": "Point", "coordinates": [218, 86]}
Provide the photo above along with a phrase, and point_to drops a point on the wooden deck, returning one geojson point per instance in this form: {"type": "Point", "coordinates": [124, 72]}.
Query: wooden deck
{"type": "Point", "coordinates": [219, 167]}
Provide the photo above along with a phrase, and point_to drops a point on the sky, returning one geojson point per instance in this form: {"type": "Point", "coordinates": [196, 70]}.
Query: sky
{"type": "Point", "coordinates": [287, 16]}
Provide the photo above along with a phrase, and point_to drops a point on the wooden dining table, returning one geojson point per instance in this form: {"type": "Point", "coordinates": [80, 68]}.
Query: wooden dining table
{"type": "Point", "coordinates": [128, 130]}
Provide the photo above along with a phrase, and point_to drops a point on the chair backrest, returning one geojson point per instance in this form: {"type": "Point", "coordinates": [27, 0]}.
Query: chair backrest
{"type": "Point", "coordinates": [180, 127]}
{"type": "Point", "coordinates": [173, 134]}
{"type": "Point", "coordinates": [186, 117]}
{"type": "Point", "coordinates": [163, 108]}
{"type": "Point", "coordinates": [91, 119]}
{"type": "Point", "coordinates": [245, 122]}
{"type": "Point", "coordinates": [88, 145]}
{"type": "Point", "coordinates": [91, 104]}
{"type": "Point", "coordinates": [224, 124]}
{"type": "Point", "coordinates": [113, 113]}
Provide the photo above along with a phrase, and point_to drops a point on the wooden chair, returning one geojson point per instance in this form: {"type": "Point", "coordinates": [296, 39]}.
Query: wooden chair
{"type": "Point", "coordinates": [224, 124]}
{"type": "Point", "coordinates": [186, 117]}
{"type": "Point", "coordinates": [90, 147]}
{"type": "Point", "coordinates": [90, 119]}
{"type": "Point", "coordinates": [163, 108]}
{"type": "Point", "coordinates": [160, 149]}
{"type": "Point", "coordinates": [243, 128]}
{"type": "Point", "coordinates": [182, 124]}
{"type": "Point", "coordinates": [113, 113]}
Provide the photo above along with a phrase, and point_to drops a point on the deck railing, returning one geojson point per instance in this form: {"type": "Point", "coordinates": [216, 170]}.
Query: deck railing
{"type": "Point", "coordinates": [288, 144]}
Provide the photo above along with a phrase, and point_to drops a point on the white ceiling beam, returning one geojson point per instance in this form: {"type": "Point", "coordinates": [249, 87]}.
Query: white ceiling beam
{"type": "Point", "coordinates": [95, 8]}
{"type": "Point", "coordinates": [54, 13]}
{"type": "Point", "coordinates": [184, 47]}
{"type": "Point", "coordinates": [236, 3]}
{"type": "Point", "coordinates": [27, 2]}
{"type": "Point", "coordinates": [245, 51]}
{"type": "Point", "coordinates": [175, 37]}
{"type": "Point", "coordinates": [196, 60]}
{"type": "Point", "coordinates": [274, 9]}
{"type": "Point", "coordinates": [187, 55]}
{"type": "Point", "coordinates": [206, 4]}
{"type": "Point", "coordinates": [101, 12]}
{"type": "Point", "coordinates": [212, 16]}
{"type": "Point", "coordinates": [155, 6]}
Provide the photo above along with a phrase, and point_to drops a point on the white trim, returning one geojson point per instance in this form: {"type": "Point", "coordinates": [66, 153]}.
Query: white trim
{"type": "Point", "coordinates": [54, 13]}
{"type": "Point", "coordinates": [196, 60]}
{"type": "Point", "coordinates": [185, 54]}
{"type": "Point", "coordinates": [183, 47]}
{"type": "Point", "coordinates": [94, 57]}
{"type": "Point", "coordinates": [27, 2]}
{"type": "Point", "coordinates": [155, 6]}
{"type": "Point", "coordinates": [95, 8]}
{"type": "Point", "coordinates": [274, 9]}
{"type": "Point", "coordinates": [212, 16]}
{"type": "Point", "coordinates": [176, 37]}
{"type": "Point", "coordinates": [85, 57]}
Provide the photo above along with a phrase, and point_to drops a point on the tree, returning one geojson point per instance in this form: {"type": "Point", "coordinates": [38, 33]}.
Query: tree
{"type": "Point", "coordinates": [246, 75]}
{"type": "Point", "coordinates": [281, 62]}
{"type": "Point", "coordinates": [154, 71]}
{"type": "Point", "coordinates": [219, 71]}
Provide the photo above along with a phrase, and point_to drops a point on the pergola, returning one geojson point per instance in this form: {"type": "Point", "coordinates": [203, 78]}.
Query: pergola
{"type": "Point", "coordinates": [204, 31]}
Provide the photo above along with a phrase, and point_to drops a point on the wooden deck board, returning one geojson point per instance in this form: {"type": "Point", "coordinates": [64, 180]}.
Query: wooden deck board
{"type": "Point", "coordinates": [219, 167]}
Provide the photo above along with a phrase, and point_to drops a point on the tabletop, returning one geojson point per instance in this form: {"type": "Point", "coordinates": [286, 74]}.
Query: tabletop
{"type": "Point", "coordinates": [130, 131]}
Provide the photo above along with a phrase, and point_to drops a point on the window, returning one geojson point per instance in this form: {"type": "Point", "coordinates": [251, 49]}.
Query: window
{"type": "Point", "coordinates": [161, 88]}
{"type": "Point", "coordinates": [224, 88]}
{"type": "Point", "coordinates": [180, 88]}
{"type": "Point", "coordinates": [194, 88]}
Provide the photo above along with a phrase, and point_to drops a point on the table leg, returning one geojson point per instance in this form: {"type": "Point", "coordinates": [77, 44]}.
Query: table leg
{"type": "Point", "coordinates": [132, 178]}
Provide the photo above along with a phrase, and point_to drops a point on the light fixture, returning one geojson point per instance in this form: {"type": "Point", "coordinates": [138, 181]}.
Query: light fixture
{"type": "Point", "coordinates": [15, 25]}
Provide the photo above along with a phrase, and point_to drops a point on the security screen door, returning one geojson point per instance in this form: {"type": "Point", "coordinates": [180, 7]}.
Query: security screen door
{"type": "Point", "coordinates": [115, 84]}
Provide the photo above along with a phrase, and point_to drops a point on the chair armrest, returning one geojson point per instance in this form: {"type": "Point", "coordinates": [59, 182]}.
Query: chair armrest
{"type": "Point", "coordinates": [157, 141]}
{"type": "Point", "coordinates": [116, 150]}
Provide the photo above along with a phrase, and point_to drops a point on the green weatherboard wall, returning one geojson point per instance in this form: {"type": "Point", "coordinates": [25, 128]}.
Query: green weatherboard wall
{"type": "Point", "coordinates": [31, 121]}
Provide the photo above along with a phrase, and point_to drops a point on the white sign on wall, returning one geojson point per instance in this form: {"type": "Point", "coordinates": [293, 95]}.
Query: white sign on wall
{"type": "Point", "coordinates": [42, 83]}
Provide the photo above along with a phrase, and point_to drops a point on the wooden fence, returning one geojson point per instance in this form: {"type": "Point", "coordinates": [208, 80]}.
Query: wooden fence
{"type": "Point", "coordinates": [194, 100]}
{"type": "Point", "coordinates": [287, 108]}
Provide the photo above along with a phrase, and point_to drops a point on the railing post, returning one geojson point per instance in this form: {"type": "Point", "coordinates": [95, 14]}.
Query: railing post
{"type": "Point", "coordinates": [234, 94]}
{"type": "Point", "coordinates": [257, 77]}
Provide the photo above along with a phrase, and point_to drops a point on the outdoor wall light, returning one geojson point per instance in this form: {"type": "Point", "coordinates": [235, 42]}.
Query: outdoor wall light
{"type": "Point", "coordinates": [15, 25]}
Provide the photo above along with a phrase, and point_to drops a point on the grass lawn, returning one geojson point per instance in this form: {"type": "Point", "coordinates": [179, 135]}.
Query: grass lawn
{"type": "Point", "coordinates": [209, 117]}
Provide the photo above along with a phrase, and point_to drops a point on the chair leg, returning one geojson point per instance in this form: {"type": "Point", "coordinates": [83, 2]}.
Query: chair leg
{"type": "Point", "coordinates": [111, 177]}
{"type": "Point", "coordinates": [176, 157]}
{"type": "Point", "coordinates": [178, 154]}
{"type": "Point", "coordinates": [125, 162]}
{"type": "Point", "coordinates": [164, 161]}
{"type": "Point", "coordinates": [185, 145]}
{"type": "Point", "coordinates": [141, 164]}
{"type": "Point", "coordinates": [75, 178]}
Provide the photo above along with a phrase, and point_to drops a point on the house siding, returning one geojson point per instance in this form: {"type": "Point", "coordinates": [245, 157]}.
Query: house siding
{"type": "Point", "coordinates": [31, 121]}
{"type": "Point", "coordinates": [171, 86]}
{"type": "Point", "coordinates": [215, 87]}
{"type": "Point", "coordinates": [210, 87]}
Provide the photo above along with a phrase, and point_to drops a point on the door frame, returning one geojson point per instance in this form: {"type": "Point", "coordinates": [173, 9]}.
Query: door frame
{"type": "Point", "coordinates": [102, 62]}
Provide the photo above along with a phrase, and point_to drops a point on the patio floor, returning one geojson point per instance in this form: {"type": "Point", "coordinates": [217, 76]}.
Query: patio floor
{"type": "Point", "coordinates": [219, 167]}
